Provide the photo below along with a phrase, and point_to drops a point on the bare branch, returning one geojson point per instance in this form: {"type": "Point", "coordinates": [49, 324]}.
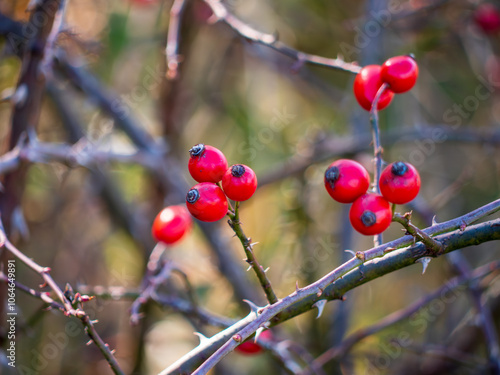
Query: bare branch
{"type": "Point", "coordinates": [246, 242]}
{"type": "Point", "coordinates": [269, 40]}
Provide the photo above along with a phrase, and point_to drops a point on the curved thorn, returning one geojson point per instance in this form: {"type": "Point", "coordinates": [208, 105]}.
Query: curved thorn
{"type": "Point", "coordinates": [425, 263]}
{"type": "Point", "coordinates": [320, 305]}
{"type": "Point", "coordinates": [434, 221]}
{"type": "Point", "coordinates": [201, 336]}
{"type": "Point", "coordinates": [253, 307]}
{"type": "Point", "coordinates": [258, 332]}
{"type": "Point", "coordinates": [297, 288]}
{"type": "Point", "coordinates": [350, 252]}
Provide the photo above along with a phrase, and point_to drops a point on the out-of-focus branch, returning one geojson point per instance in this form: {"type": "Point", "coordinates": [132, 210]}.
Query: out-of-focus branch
{"type": "Point", "coordinates": [222, 14]}
{"type": "Point", "coordinates": [334, 146]}
{"type": "Point", "coordinates": [81, 154]}
{"type": "Point", "coordinates": [347, 344]}
{"type": "Point", "coordinates": [173, 38]}
{"type": "Point", "coordinates": [486, 319]}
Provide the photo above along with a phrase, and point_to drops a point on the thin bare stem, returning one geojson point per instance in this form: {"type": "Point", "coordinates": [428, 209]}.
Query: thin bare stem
{"type": "Point", "coordinates": [173, 39]}
{"type": "Point", "coordinates": [150, 286]}
{"type": "Point", "coordinates": [269, 40]}
{"type": "Point", "coordinates": [235, 225]}
{"type": "Point", "coordinates": [44, 296]}
{"type": "Point", "coordinates": [429, 242]}
{"type": "Point", "coordinates": [44, 273]}
{"type": "Point", "coordinates": [377, 149]}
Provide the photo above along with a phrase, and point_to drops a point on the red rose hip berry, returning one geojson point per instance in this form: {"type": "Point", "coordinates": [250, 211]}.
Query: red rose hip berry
{"type": "Point", "coordinates": [370, 214]}
{"type": "Point", "coordinates": [345, 180]}
{"type": "Point", "coordinates": [206, 202]}
{"type": "Point", "coordinates": [250, 347]}
{"type": "Point", "coordinates": [239, 182]}
{"type": "Point", "coordinates": [207, 163]}
{"type": "Point", "coordinates": [487, 17]}
{"type": "Point", "coordinates": [400, 72]}
{"type": "Point", "coordinates": [399, 182]}
{"type": "Point", "coordinates": [171, 224]}
{"type": "Point", "coordinates": [366, 85]}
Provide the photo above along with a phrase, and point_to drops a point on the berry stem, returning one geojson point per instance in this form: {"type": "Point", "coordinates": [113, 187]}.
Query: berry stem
{"type": "Point", "coordinates": [377, 149]}
{"type": "Point", "coordinates": [405, 220]}
{"type": "Point", "coordinates": [235, 224]}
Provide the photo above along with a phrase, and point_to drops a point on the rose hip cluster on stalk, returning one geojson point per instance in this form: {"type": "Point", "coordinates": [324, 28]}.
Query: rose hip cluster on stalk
{"type": "Point", "coordinates": [207, 201]}
{"type": "Point", "coordinates": [347, 181]}
{"type": "Point", "coordinates": [399, 73]}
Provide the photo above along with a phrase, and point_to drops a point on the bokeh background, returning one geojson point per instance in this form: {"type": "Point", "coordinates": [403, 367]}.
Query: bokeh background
{"type": "Point", "coordinates": [261, 109]}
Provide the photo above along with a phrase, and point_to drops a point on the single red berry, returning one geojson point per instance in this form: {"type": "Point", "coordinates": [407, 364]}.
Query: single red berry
{"type": "Point", "coordinates": [206, 202]}
{"type": "Point", "coordinates": [345, 180]}
{"type": "Point", "coordinates": [171, 224]}
{"type": "Point", "coordinates": [239, 182]}
{"type": "Point", "coordinates": [207, 163]}
{"type": "Point", "coordinates": [250, 347]}
{"type": "Point", "coordinates": [399, 182]}
{"type": "Point", "coordinates": [487, 17]}
{"type": "Point", "coordinates": [366, 85]}
{"type": "Point", "coordinates": [370, 214]}
{"type": "Point", "coordinates": [400, 72]}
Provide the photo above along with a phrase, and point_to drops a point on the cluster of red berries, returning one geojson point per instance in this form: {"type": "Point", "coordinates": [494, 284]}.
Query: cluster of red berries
{"type": "Point", "coordinates": [347, 181]}
{"type": "Point", "coordinates": [206, 201]}
{"type": "Point", "coordinates": [399, 73]}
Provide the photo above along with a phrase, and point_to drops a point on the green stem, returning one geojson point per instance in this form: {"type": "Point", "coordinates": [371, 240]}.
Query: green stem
{"type": "Point", "coordinates": [235, 224]}
{"type": "Point", "coordinates": [405, 220]}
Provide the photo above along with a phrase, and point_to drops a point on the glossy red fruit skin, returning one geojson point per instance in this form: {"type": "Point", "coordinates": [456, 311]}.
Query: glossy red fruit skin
{"type": "Point", "coordinates": [370, 214]}
{"type": "Point", "coordinates": [400, 72]}
{"type": "Point", "coordinates": [206, 202]}
{"type": "Point", "coordinates": [345, 180]}
{"type": "Point", "coordinates": [171, 224]}
{"type": "Point", "coordinates": [249, 347]}
{"type": "Point", "coordinates": [366, 85]}
{"type": "Point", "coordinates": [239, 182]}
{"type": "Point", "coordinates": [207, 163]}
{"type": "Point", "coordinates": [399, 182]}
{"type": "Point", "coordinates": [487, 17]}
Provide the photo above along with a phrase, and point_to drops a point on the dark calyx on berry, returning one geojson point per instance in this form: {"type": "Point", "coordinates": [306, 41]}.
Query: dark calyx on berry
{"type": "Point", "coordinates": [192, 196]}
{"type": "Point", "coordinates": [399, 168]}
{"type": "Point", "coordinates": [197, 149]}
{"type": "Point", "coordinates": [368, 218]}
{"type": "Point", "coordinates": [332, 174]}
{"type": "Point", "coordinates": [238, 170]}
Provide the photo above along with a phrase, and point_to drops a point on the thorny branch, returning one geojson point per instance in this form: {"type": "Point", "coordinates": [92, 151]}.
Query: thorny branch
{"type": "Point", "coordinates": [344, 278]}
{"type": "Point", "coordinates": [405, 221]}
{"type": "Point", "coordinates": [71, 307]}
{"type": "Point", "coordinates": [247, 244]}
